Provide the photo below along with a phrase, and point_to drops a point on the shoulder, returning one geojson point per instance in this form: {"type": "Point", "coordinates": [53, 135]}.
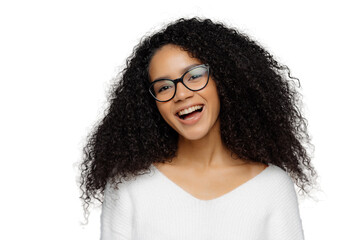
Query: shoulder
{"type": "Point", "coordinates": [280, 185]}
{"type": "Point", "coordinates": [136, 183]}
{"type": "Point", "coordinates": [275, 182]}
{"type": "Point", "coordinates": [120, 197]}
{"type": "Point", "coordinates": [278, 175]}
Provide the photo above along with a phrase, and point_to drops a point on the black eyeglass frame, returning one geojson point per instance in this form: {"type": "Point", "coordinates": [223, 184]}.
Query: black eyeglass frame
{"type": "Point", "coordinates": [181, 79]}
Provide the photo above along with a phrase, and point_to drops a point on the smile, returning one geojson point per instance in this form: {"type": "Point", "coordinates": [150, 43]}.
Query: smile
{"type": "Point", "coordinates": [187, 111]}
{"type": "Point", "coordinates": [191, 114]}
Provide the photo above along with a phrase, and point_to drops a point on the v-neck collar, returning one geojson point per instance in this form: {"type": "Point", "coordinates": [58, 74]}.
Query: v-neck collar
{"type": "Point", "coordinates": [220, 198]}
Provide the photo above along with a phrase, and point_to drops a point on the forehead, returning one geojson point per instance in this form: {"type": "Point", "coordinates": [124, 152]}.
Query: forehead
{"type": "Point", "coordinates": [170, 61]}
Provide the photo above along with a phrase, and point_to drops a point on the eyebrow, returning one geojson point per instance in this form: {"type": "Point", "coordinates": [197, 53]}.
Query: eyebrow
{"type": "Point", "coordinates": [184, 70]}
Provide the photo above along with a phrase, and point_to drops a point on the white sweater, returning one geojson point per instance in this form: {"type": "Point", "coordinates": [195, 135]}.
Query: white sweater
{"type": "Point", "coordinates": [152, 207]}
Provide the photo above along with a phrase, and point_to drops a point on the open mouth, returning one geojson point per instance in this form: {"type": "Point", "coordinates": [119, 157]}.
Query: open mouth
{"type": "Point", "coordinates": [189, 112]}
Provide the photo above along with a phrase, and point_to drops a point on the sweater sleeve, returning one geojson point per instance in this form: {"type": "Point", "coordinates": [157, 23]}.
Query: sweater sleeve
{"type": "Point", "coordinates": [284, 221]}
{"type": "Point", "coordinates": [116, 215]}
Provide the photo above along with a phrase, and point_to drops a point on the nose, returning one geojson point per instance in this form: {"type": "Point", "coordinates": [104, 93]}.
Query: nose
{"type": "Point", "coordinates": [182, 92]}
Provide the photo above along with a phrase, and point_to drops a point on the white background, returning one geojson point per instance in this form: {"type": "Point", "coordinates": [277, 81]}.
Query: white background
{"type": "Point", "coordinates": [58, 58]}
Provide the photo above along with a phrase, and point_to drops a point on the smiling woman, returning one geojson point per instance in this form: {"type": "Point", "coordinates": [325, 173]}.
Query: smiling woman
{"type": "Point", "coordinates": [203, 139]}
{"type": "Point", "coordinates": [180, 109]}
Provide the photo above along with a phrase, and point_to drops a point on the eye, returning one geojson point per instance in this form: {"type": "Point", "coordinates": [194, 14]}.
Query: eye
{"type": "Point", "coordinates": [164, 88]}
{"type": "Point", "coordinates": [195, 76]}
{"type": "Point", "coordinates": [196, 73]}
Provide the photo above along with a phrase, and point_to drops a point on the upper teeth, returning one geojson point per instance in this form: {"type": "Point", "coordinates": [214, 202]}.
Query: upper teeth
{"type": "Point", "coordinates": [189, 110]}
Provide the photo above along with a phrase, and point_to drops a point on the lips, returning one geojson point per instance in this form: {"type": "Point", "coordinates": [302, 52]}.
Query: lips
{"type": "Point", "coordinates": [188, 109]}
{"type": "Point", "coordinates": [193, 117]}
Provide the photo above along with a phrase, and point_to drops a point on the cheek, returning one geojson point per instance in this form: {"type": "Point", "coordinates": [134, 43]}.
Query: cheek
{"type": "Point", "coordinates": [216, 106]}
{"type": "Point", "coordinates": [164, 110]}
{"type": "Point", "coordinates": [213, 94]}
{"type": "Point", "coordinates": [160, 108]}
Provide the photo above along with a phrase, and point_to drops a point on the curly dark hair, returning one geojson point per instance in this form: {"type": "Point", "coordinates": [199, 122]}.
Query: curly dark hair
{"type": "Point", "coordinates": [260, 117]}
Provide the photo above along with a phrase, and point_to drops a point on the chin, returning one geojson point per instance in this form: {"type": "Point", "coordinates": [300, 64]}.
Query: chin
{"type": "Point", "coordinates": [193, 135]}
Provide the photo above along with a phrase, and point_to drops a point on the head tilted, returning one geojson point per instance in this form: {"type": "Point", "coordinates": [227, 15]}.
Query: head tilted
{"type": "Point", "coordinates": [259, 115]}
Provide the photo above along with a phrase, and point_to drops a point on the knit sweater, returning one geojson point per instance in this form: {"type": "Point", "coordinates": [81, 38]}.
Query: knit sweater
{"type": "Point", "coordinates": [152, 207]}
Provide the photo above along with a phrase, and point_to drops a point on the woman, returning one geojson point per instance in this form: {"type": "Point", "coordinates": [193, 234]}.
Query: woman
{"type": "Point", "coordinates": [202, 140]}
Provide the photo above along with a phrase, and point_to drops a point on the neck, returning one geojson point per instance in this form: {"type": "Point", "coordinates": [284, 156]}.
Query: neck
{"type": "Point", "coordinates": [207, 152]}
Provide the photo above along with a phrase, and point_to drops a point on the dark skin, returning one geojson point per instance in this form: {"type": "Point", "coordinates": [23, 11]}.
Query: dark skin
{"type": "Point", "coordinates": [213, 182]}
{"type": "Point", "coordinates": [203, 166]}
{"type": "Point", "coordinates": [260, 116]}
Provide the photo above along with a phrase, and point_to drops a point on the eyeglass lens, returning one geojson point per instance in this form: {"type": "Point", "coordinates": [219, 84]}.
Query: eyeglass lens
{"type": "Point", "coordinates": [195, 79]}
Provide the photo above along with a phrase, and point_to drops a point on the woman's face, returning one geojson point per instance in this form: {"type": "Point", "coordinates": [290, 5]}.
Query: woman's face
{"type": "Point", "coordinates": [171, 62]}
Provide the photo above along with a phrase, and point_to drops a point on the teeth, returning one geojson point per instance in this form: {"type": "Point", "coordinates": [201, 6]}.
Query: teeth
{"type": "Point", "coordinates": [189, 110]}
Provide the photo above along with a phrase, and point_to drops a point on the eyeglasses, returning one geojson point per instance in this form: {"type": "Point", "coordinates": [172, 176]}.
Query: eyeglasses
{"type": "Point", "coordinates": [194, 79]}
